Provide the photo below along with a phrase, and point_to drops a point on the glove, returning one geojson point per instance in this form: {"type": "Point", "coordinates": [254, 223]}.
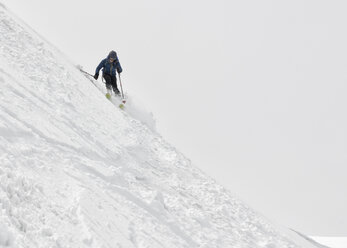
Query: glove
{"type": "Point", "coordinates": [96, 76]}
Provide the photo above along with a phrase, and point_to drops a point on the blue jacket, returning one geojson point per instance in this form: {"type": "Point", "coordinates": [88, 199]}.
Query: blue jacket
{"type": "Point", "coordinates": [108, 67]}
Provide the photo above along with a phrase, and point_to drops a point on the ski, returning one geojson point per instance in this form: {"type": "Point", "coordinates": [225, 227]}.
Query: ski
{"type": "Point", "coordinates": [109, 97]}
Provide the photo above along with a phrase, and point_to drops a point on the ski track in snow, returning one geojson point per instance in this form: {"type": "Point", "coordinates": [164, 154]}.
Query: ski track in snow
{"type": "Point", "coordinates": [76, 171]}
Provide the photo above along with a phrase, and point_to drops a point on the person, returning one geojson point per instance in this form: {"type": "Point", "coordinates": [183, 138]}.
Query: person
{"type": "Point", "coordinates": [110, 66]}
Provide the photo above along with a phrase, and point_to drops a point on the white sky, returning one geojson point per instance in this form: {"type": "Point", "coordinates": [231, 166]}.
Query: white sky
{"type": "Point", "coordinates": [254, 92]}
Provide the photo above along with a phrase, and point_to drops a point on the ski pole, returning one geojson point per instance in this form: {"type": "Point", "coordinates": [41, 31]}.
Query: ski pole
{"type": "Point", "coordinates": [93, 82]}
{"type": "Point", "coordinates": [86, 73]}
{"type": "Point", "coordinates": [121, 88]}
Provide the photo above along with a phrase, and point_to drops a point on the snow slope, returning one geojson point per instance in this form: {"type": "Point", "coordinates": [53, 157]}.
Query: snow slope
{"type": "Point", "coordinates": [333, 242]}
{"type": "Point", "coordinates": [76, 171]}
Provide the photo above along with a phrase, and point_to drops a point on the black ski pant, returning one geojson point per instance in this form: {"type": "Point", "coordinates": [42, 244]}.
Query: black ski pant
{"type": "Point", "coordinates": [111, 82]}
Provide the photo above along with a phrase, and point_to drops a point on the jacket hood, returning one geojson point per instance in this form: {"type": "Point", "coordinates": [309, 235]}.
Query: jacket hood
{"type": "Point", "coordinates": [112, 54]}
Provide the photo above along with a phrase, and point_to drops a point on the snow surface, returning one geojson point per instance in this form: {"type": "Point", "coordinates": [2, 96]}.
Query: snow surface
{"type": "Point", "coordinates": [332, 242]}
{"type": "Point", "coordinates": [76, 171]}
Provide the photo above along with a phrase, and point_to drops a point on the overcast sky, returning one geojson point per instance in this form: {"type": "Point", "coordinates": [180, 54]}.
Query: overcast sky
{"type": "Point", "coordinates": [254, 92]}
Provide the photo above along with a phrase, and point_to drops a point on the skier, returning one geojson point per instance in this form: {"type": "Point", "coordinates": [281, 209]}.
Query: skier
{"type": "Point", "coordinates": [110, 66]}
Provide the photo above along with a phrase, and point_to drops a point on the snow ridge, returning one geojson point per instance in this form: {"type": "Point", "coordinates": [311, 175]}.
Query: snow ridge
{"type": "Point", "coordinates": [76, 171]}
